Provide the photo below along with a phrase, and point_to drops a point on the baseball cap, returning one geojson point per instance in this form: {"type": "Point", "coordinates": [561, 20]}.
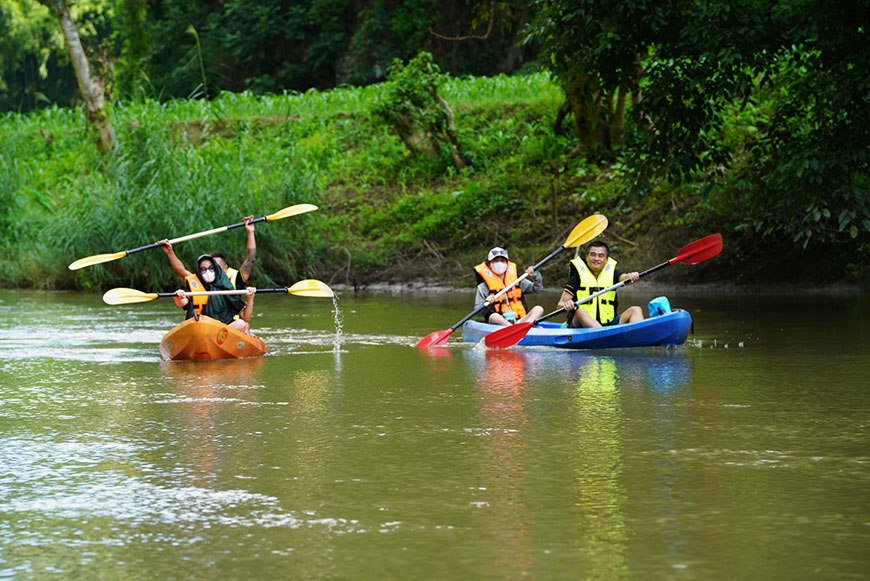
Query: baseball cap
{"type": "Point", "coordinates": [496, 252]}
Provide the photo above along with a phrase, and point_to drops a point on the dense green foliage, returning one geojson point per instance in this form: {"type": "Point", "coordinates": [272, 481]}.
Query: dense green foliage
{"type": "Point", "coordinates": [688, 64]}
{"type": "Point", "coordinates": [167, 49]}
{"type": "Point", "coordinates": [386, 215]}
{"type": "Point", "coordinates": [412, 105]}
{"type": "Point", "coordinates": [748, 116]}
{"type": "Point", "coordinates": [186, 166]}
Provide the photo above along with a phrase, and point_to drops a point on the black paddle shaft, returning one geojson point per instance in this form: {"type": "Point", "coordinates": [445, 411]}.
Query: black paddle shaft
{"type": "Point", "coordinates": [259, 290]}
{"type": "Point", "coordinates": [254, 221]}
{"type": "Point", "coordinates": [156, 244]}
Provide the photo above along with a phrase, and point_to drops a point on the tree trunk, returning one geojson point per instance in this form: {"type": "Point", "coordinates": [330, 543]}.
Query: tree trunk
{"type": "Point", "coordinates": [640, 120]}
{"type": "Point", "coordinates": [586, 105]}
{"type": "Point", "coordinates": [415, 138]}
{"type": "Point", "coordinates": [92, 92]}
{"type": "Point", "coordinates": [561, 114]}
{"type": "Point", "coordinates": [617, 123]}
{"type": "Point", "coordinates": [450, 130]}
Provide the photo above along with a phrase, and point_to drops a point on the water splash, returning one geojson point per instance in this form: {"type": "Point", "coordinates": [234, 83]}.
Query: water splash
{"type": "Point", "coordinates": [336, 343]}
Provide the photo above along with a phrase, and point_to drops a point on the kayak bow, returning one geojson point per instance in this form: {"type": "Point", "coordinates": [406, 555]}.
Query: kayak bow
{"type": "Point", "coordinates": [207, 338]}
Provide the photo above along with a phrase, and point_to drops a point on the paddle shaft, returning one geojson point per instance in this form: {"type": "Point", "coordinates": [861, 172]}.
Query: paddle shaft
{"type": "Point", "coordinates": [197, 235]}
{"type": "Point", "coordinates": [604, 291]}
{"type": "Point", "coordinates": [225, 292]}
{"type": "Point", "coordinates": [501, 293]}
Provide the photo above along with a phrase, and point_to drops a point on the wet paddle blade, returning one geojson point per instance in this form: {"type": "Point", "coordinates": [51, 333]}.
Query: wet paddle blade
{"type": "Point", "coordinates": [127, 296]}
{"type": "Point", "coordinates": [96, 259]}
{"type": "Point", "coordinates": [699, 250]}
{"type": "Point", "coordinates": [292, 211]}
{"type": "Point", "coordinates": [436, 338]}
{"type": "Point", "coordinates": [586, 230]}
{"type": "Point", "coordinates": [311, 288]}
{"type": "Point", "coordinates": [507, 336]}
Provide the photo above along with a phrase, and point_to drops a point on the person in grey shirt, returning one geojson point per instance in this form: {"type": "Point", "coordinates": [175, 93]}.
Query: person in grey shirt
{"type": "Point", "coordinates": [496, 273]}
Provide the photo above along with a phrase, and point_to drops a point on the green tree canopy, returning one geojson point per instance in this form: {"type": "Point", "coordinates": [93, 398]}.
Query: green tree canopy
{"type": "Point", "coordinates": [34, 66]}
{"type": "Point", "coordinates": [687, 62]}
{"type": "Point", "coordinates": [275, 45]}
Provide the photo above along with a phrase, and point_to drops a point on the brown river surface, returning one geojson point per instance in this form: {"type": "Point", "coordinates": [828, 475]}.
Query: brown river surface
{"type": "Point", "coordinates": [348, 453]}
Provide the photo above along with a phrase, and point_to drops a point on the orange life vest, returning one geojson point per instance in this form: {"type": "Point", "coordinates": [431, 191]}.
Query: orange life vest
{"type": "Point", "coordinates": [511, 300]}
{"type": "Point", "coordinates": [195, 286]}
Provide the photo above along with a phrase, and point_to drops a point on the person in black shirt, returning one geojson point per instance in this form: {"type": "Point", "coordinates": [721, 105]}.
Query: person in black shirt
{"type": "Point", "coordinates": [597, 272]}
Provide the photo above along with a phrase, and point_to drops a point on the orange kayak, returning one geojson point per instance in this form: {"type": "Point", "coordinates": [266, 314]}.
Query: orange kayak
{"type": "Point", "coordinates": [207, 338]}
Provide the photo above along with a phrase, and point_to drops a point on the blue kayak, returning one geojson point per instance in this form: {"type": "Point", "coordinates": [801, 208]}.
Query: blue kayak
{"type": "Point", "coordinates": [670, 328]}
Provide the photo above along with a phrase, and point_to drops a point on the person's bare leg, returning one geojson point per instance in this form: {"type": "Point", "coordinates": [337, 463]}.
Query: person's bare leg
{"type": "Point", "coordinates": [242, 326]}
{"type": "Point", "coordinates": [533, 315]}
{"type": "Point", "coordinates": [497, 319]}
{"type": "Point", "coordinates": [631, 315]}
{"type": "Point", "coordinates": [583, 319]}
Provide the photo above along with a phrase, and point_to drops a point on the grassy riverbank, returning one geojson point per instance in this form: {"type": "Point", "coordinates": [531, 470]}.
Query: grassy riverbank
{"type": "Point", "coordinates": [187, 166]}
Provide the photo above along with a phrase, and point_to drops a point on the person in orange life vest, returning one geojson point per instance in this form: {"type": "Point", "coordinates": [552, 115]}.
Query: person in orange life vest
{"type": "Point", "coordinates": [208, 277]}
{"type": "Point", "coordinates": [495, 274]}
{"type": "Point", "coordinates": [597, 272]}
{"type": "Point", "coordinates": [244, 272]}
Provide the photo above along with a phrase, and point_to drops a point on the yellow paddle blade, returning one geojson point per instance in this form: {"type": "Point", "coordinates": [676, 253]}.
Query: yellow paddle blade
{"type": "Point", "coordinates": [586, 230]}
{"type": "Point", "coordinates": [311, 288]}
{"type": "Point", "coordinates": [96, 259]}
{"type": "Point", "coordinates": [291, 211]}
{"type": "Point", "coordinates": [127, 296]}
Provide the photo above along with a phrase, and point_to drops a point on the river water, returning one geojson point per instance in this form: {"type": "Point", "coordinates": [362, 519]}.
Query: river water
{"type": "Point", "coordinates": [348, 453]}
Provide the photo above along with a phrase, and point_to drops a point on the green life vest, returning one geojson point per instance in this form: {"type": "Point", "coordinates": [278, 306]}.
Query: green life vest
{"type": "Point", "coordinates": [603, 308]}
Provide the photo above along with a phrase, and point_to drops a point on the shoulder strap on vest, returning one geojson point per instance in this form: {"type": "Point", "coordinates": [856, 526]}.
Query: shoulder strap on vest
{"type": "Point", "coordinates": [195, 285]}
{"type": "Point", "coordinates": [233, 275]}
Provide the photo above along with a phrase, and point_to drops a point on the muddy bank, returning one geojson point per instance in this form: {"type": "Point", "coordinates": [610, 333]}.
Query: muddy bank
{"type": "Point", "coordinates": [764, 288]}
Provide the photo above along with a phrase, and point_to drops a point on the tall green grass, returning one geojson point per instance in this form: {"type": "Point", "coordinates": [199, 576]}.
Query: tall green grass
{"type": "Point", "coordinates": [187, 166]}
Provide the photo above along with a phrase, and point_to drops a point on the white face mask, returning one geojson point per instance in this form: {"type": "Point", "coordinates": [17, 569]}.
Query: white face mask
{"type": "Point", "coordinates": [499, 267]}
{"type": "Point", "coordinates": [208, 275]}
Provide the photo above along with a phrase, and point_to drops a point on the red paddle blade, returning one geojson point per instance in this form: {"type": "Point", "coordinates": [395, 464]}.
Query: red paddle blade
{"type": "Point", "coordinates": [436, 338]}
{"type": "Point", "coordinates": [507, 336]}
{"type": "Point", "coordinates": [699, 250]}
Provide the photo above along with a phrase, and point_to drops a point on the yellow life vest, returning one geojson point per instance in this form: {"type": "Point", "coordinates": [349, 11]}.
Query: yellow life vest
{"type": "Point", "coordinates": [195, 286]}
{"type": "Point", "coordinates": [511, 300]}
{"type": "Point", "coordinates": [603, 308]}
{"type": "Point", "coordinates": [233, 274]}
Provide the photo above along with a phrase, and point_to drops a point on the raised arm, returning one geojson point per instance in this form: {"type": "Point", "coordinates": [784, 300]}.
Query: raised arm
{"type": "Point", "coordinates": [248, 264]}
{"type": "Point", "coordinates": [174, 262]}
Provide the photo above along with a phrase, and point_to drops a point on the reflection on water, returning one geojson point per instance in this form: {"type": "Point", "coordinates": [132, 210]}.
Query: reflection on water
{"type": "Point", "coordinates": [348, 453]}
{"type": "Point", "coordinates": [501, 382]}
{"type": "Point", "coordinates": [598, 467]}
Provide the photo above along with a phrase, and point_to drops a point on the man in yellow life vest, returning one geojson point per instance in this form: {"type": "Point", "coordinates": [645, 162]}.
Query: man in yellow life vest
{"type": "Point", "coordinates": [496, 273]}
{"type": "Point", "coordinates": [589, 276]}
{"type": "Point", "coordinates": [244, 272]}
